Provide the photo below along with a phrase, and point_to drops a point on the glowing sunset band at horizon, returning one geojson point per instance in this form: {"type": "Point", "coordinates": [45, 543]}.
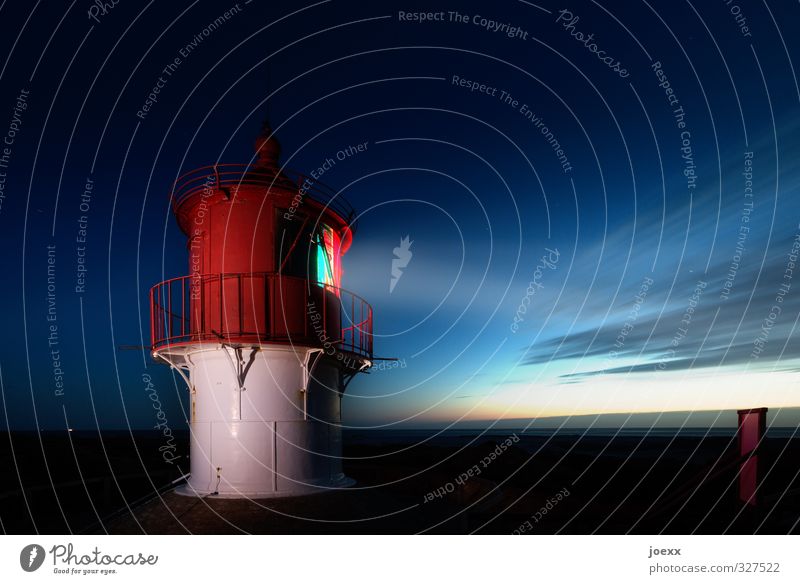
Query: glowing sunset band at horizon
{"type": "Point", "coordinates": [634, 394]}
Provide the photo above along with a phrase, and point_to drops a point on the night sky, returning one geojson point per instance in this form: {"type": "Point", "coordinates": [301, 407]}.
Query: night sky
{"type": "Point", "coordinates": [602, 197]}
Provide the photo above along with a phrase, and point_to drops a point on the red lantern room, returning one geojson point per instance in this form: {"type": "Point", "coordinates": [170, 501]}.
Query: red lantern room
{"type": "Point", "coordinates": [264, 250]}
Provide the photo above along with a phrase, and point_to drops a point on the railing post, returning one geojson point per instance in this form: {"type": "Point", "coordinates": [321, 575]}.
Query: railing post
{"type": "Point", "coordinates": [169, 310]}
{"type": "Point", "coordinates": [268, 306]}
{"type": "Point", "coordinates": [202, 322]}
{"type": "Point", "coordinates": [241, 304]}
{"type": "Point", "coordinates": [152, 328]}
{"type": "Point", "coordinates": [183, 307]}
{"type": "Point", "coordinates": [307, 315]}
{"type": "Point", "coordinates": [222, 319]}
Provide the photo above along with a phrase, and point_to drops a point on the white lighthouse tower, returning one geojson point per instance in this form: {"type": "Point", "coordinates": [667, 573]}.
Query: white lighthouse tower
{"type": "Point", "coordinates": [260, 329]}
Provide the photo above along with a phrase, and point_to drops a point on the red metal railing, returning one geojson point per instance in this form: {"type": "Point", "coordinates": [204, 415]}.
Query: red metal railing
{"type": "Point", "coordinates": [259, 307]}
{"type": "Point", "coordinates": [232, 176]}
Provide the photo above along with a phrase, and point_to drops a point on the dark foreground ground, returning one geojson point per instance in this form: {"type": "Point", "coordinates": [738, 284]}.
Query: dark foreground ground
{"type": "Point", "coordinates": [540, 484]}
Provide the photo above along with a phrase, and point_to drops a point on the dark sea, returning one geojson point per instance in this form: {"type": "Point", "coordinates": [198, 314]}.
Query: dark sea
{"type": "Point", "coordinates": [433, 435]}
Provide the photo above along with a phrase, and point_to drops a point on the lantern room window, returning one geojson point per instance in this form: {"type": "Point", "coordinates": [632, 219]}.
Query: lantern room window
{"type": "Point", "coordinates": [328, 257]}
{"type": "Point", "coordinates": [305, 252]}
{"type": "Point", "coordinates": [293, 249]}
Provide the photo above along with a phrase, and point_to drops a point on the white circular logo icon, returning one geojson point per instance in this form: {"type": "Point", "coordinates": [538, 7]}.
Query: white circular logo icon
{"type": "Point", "coordinates": [31, 557]}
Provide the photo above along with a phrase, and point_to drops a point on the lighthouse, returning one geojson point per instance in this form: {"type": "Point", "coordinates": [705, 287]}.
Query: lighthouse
{"type": "Point", "coordinates": [260, 329]}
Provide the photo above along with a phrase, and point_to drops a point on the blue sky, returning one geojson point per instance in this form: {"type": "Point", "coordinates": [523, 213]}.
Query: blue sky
{"type": "Point", "coordinates": [466, 175]}
{"type": "Point", "coordinates": [559, 362]}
